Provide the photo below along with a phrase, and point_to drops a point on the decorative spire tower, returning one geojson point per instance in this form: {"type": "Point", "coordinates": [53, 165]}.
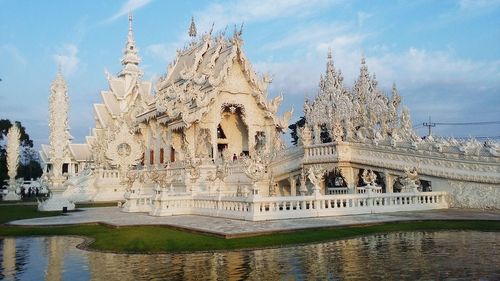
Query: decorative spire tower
{"type": "Point", "coordinates": [59, 138]}
{"type": "Point", "coordinates": [192, 29]}
{"type": "Point", "coordinates": [13, 137]}
{"type": "Point", "coordinates": [130, 59]}
{"type": "Point", "coordinates": [58, 124]}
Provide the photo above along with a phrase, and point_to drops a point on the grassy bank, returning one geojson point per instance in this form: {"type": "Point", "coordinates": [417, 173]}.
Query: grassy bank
{"type": "Point", "coordinates": [96, 204]}
{"type": "Point", "coordinates": [20, 212]}
{"type": "Point", "coordinates": [154, 239]}
{"type": "Point", "coordinates": [12, 211]}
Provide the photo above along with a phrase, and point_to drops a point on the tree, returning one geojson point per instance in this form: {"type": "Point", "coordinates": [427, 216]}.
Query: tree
{"type": "Point", "coordinates": [293, 129]}
{"type": "Point", "coordinates": [30, 164]}
{"type": "Point", "coordinates": [324, 135]}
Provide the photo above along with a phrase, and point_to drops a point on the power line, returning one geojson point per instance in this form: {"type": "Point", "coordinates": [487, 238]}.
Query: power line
{"type": "Point", "coordinates": [467, 123]}
{"type": "Point", "coordinates": [429, 125]}
{"type": "Point", "coordinates": [479, 137]}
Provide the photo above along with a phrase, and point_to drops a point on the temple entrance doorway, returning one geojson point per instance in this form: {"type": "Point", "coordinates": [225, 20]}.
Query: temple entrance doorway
{"type": "Point", "coordinates": [232, 133]}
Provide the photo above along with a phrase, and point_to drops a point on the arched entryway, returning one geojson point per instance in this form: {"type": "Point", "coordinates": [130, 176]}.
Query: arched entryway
{"type": "Point", "coordinates": [232, 132]}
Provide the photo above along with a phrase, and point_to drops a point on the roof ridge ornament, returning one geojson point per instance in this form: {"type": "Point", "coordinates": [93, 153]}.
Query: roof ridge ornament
{"type": "Point", "coordinates": [192, 29]}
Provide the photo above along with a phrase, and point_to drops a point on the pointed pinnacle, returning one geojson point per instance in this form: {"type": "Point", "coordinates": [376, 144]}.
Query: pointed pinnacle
{"type": "Point", "coordinates": [130, 18]}
{"type": "Point", "coordinates": [192, 28]}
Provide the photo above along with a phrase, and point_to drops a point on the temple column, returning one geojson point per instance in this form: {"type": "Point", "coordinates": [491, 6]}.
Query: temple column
{"type": "Point", "coordinates": [303, 181]}
{"type": "Point", "coordinates": [389, 181]}
{"type": "Point", "coordinates": [168, 146]}
{"type": "Point", "coordinates": [349, 175]}
{"type": "Point", "coordinates": [213, 136]}
{"type": "Point", "coordinates": [317, 134]}
{"type": "Point", "coordinates": [147, 153]}
{"type": "Point", "coordinates": [322, 185]}
{"type": "Point", "coordinates": [293, 185]}
{"type": "Point", "coordinates": [157, 145]}
{"type": "Point", "coordinates": [251, 140]}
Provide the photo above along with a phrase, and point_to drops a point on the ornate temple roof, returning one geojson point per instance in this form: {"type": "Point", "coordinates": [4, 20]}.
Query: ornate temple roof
{"type": "Point", "coordinates": [365, 112]}
{"type": "Point", "coordinates": [197, 75]}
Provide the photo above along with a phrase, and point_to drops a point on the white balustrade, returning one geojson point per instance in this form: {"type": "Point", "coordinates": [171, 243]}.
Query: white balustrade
{"type": "Point", "coordinates": [374, 189]}
{"type": "Point", "coordinates": [337, 190]}
{"type": "Point", "coordinates": [109, 174]}
{"type": "Point", "coordinates": [324, 150]}
{"type": "Point", "coordinates": [271, 208]}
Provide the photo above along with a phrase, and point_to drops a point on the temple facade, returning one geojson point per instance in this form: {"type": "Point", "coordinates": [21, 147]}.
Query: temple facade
{"type": "Point", "coordinates": [207, 139]}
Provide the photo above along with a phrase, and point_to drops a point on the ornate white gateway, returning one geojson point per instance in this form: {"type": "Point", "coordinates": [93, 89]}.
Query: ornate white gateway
{"type": "Point", "coordinates": [209, 142]}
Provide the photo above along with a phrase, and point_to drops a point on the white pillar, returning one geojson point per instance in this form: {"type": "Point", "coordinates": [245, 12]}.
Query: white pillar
{"type": "Point", "coordinates": [389, 181]}
{"type": "Point", "coordinates": [293, 185]}
{"type": "Point", "coordinates": [303, 182]}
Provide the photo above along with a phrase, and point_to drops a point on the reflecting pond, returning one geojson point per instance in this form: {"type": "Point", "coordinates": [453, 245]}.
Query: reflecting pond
{"type": "Point", "coordinates": [458, 255]}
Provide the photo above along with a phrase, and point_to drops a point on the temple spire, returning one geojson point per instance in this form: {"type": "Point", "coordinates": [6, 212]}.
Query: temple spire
{"type": "Point", "coordinates": [192, 28]}
{"type": "Point", "coordinates": [130, 59]}
{"type": "Point", "coordinates": [363, 71]}
{"type": "Point", "coordinates": [329, 63]}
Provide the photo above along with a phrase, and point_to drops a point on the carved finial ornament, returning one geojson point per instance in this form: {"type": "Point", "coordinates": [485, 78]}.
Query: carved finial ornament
{"type": "Point", "coordinates": [192, 28]}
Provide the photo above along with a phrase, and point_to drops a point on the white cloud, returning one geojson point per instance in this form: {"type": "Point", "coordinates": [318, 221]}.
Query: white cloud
{"type": "Point", "coordinates": [162, 51]}
{"type": "Point", "coordinates": [306, 34]}
{"type": "Point", "coordinates": [67, 58]}
{"type": "Point", "coordinates": [237, 12]}
{"type": "Point", "coordinates": [362, 17]}
{"type": "Point", "coordinates": [11, 51]}
{"type": "Point", "coordinates": [128, 6]}
{"type": "Point", "coordinates": [418, 66]}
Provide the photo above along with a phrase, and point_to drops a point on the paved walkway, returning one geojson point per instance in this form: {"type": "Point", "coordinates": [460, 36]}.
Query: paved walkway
{"type": "Point", "coordinates": [235, 228]}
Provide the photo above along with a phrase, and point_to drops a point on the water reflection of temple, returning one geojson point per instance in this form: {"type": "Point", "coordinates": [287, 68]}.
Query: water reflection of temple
{"type": "Point", "coordinates": [8, 259]}
{"type": "Point", "coordinates": [405, 255]}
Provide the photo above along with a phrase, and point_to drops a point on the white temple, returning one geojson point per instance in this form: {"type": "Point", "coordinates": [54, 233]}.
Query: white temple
{"type": "Point", "coordinates": [207, 140]}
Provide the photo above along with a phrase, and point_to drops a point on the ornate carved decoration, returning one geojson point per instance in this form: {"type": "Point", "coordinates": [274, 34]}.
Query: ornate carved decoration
{"type": "Point", "coordinates": [316, 175]}
{"type": "Point", "coordinates": [364, 114]}
{"type": "Point", "coordinates": [123, 151]}
{"type": "Point", "coordinates": [369, 178]}
{"type": "Point", "coordinates": [474, 195]}
{"type": "Point", "coordinates": [410, 181]}
{"type": "Point", "coordinates": [204, 143]}
{"type": "Point", "coordinates": [58, 124]}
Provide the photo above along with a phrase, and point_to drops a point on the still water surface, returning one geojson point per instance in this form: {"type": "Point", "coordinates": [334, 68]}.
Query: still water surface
{"type": "Point", "coordinates": [456, 255]}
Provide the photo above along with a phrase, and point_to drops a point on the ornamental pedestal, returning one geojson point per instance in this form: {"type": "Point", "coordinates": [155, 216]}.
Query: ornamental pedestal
{"type": "Point", "coordinates": [11, 192]}
{"type": "Point", "coordinates": [56, 201]}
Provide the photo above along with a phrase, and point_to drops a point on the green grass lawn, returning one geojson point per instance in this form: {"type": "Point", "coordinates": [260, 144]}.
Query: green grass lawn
{"type": "Point", "coordinates": [154, 239]}
{"type": "Point", "coordinates": [96, 204]}
{"type": "Point", "coordinates": [19, 212]}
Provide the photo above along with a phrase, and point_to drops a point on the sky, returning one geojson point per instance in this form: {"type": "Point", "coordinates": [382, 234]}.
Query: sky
{"type": "Point", "coordinates": [444, 56]}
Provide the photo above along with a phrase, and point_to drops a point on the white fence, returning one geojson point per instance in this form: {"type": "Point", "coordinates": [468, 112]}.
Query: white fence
{"type": "Point", "coordinates": [337, 190]}
{"type": "Point", "coordinates": [272, 208]}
